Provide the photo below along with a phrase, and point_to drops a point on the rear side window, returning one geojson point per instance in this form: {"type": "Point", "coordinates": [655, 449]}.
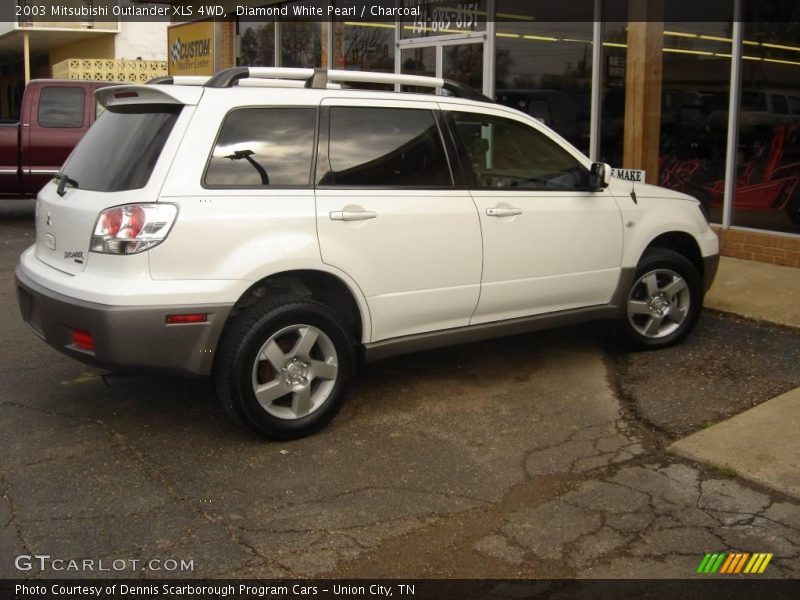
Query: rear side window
{"type": "Point", "coordinates": [508, 154]}
{"type": "Point", "coordinates": [61, 107]}
{"type": "Point", "coordinates": [262, 147]}
{"type": "Point", "coordinates": [393, 147]}
{"type": "Point", "coordinates": [121, 149]}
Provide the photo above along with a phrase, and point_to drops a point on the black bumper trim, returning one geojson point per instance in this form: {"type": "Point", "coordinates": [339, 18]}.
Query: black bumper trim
{"type": "Point", "coordinates": [710, 266]}
{"type": "Point", "coordinates": [127, 338]}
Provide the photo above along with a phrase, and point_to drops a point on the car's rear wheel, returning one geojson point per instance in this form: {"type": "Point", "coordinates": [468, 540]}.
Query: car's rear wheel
{"type": "Point", "coordinates": [664, 301]}
{"type": "Point", "coordinates": [283, 366]}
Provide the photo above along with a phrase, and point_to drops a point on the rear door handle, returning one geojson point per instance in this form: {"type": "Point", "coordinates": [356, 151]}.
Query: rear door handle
{"type": "Point", "coordinates": [498, 211]}
{"type": "Point", "coordinates": [353, 215]}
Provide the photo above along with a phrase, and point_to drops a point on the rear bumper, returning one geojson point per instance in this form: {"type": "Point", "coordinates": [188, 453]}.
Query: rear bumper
{"type": "Point", "coordinates": [126, 338]}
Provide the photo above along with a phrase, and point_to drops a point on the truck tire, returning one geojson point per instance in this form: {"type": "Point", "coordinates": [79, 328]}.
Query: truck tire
{"type": "Point", "coordinates": [283, 367]}
{"type": "Point", "coordinates": [664, 302]}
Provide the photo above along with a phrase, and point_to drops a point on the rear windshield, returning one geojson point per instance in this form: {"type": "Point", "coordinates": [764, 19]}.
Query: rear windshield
{"type": "Point", "coordinates": [121, 149]}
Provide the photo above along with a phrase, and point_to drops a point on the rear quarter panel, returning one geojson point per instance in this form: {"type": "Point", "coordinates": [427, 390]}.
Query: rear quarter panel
{"type": "Point", "coordinates": [237, 234]}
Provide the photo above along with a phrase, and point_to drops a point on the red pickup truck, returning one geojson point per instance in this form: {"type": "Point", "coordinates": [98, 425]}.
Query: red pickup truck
{"type": "Point", "coordinates": [54, 116]}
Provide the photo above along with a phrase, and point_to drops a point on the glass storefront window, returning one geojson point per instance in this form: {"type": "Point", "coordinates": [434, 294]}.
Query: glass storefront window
{"type": "Point", "coordinates": [301, 44]}
{"type": "Point", "coordinates": [445, 17]}
{"type": "Point", "coordinates": [463, 63]}
{"type": "Point", "coordinates": [768, 166]}
{"type": "Point", "coordinates": [694, 111]}
{"type": "Point", "coordinates": [545, 70]}
{"type": "Point", "coordinates": [364, 46]}
{"type": "Point", "coordinates": [256, 44]}
{"type": "Point", "coordinates": [418, 61]}
{"type": "Point", "coordinates": [612, 115]}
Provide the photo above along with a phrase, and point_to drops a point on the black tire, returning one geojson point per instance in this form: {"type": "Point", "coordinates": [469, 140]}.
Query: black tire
{"type": "Point", "coordinates": [235, 365]}
{"type": "Point", "coordinates": [793, 209]}
{"type": "Point", "coordinates": [661, 262]}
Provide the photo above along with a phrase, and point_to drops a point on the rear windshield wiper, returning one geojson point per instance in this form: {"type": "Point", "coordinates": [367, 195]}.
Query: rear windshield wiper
{"type": "Point", "coordinates": [63, 181]}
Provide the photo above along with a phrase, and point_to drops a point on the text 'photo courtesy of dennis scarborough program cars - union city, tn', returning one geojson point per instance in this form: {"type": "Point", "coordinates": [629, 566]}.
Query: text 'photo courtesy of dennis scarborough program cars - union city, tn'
{"type": "Point", "coordinates": [274, 228]}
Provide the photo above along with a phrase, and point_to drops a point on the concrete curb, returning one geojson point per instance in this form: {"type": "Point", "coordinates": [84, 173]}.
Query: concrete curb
{"type": "Point", "coordinates": [756, 290]}
{"type": "Point", "coordinates": [762, 444]}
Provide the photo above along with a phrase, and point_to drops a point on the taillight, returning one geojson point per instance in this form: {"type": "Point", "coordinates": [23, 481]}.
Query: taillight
{"type": "Point", "coordinates": [132, 228]}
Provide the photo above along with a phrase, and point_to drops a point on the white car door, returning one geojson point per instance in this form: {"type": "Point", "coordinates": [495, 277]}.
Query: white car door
{"type": "Point", "coordinates": [388, 215]}
{"type": "Point", "coordinates": [550, 243]}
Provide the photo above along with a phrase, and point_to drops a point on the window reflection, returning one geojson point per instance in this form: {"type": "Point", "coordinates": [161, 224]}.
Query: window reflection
{"type": "Point", "coordinates": [612, 120]}
{"type": "Point", "coordinates": [364, 46]}
{"type": "Point", "coordinates": [263, 147]}
{"type": "Point", "coordinates": [545, 70]}
{"type": "Point", "coordinates": [694, 110]}
{"type": "Point", "coordinates": [301, 44]}
{"type": "Point", "coordinates": [385, 147]}
{"type": "Point", "coordinates": [257, 44]}
{"type": "Point", "coordinates": [508, 154]}
{"type": "Point", "coordinates": [768, 165]}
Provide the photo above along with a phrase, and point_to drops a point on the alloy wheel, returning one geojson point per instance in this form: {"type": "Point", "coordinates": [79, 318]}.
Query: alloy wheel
{"type": "Point", "coordinates": [295, 371]}
{"type": "Point", "coordinates": [659, 303]}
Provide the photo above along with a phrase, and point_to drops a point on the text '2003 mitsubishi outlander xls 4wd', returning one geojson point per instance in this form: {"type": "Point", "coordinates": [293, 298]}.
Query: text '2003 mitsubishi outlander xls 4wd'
{"type": "Point", "coordinates": [274, 227]}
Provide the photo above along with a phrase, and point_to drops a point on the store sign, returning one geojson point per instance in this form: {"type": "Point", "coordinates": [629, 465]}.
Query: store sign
{"type": "Point", "coordinates": [191, 48]}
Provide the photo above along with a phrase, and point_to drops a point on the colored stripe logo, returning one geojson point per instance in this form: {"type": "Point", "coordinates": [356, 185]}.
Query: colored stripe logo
{"type": "Point", "coordinates": [735, 563]}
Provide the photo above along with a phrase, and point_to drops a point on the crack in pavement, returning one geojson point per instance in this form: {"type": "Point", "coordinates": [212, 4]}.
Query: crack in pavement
{"type": "Point", "coordinates": [12, 519]}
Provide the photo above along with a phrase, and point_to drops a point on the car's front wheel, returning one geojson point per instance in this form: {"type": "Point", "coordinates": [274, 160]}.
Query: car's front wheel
{"type": "Point", "coordinates": [283, 366]}
{"type": "Point", "coordinates": [664, 301]}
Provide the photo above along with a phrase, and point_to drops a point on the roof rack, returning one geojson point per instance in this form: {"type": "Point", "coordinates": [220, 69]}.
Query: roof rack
{"type": "Point", "coordinates": [323, 78]}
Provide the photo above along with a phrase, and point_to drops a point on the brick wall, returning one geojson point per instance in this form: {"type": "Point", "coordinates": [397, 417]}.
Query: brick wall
{"type": "Point", "coordinates": [225, 45]}
{"type": "Point", "coordinates": [764, 247]}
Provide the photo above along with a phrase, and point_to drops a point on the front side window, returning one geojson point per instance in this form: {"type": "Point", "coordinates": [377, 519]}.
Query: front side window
{"type": "Point", "coordinates": [262, 147]}
{"type": "Point", "coordinates": [394, 147]}
{"type": "Point", "coordinates": [61, 107]}
{"type": "Point", "coordinates": [507, 154]}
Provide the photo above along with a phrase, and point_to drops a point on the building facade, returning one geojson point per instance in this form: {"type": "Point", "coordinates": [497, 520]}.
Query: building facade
{"type": "Point", "coordinates": [707, 106]}
{"type": "Point", "coordinates": [710, 108]}
{"type": "Point", "coordinates": [107, 49]}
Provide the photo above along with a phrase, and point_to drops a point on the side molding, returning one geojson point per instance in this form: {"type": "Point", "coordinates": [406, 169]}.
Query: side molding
{"type": "Point", "coordinates": [475, 333]}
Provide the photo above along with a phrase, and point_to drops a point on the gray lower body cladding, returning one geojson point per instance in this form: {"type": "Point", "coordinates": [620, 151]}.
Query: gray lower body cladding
{"type": "Point", "coordinates": [125, 338]}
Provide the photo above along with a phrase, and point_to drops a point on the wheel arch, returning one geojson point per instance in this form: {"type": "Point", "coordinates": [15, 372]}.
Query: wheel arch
{"type": "Point", "coordinates": [331, 289]}
{"type": "Point", "coordinates": [681, 242]}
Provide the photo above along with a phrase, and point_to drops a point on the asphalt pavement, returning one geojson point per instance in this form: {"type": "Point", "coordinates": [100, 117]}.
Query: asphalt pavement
{"type": "Point", "coordinates": [535, 456]}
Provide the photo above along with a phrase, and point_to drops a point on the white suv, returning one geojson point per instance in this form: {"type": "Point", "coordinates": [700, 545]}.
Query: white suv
{"type": "Point", "coordinates": [273, 229]}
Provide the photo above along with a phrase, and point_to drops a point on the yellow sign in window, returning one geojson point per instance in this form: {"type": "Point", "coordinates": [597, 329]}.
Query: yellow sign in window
{"type": "Point", "coordinates": [191, 48]}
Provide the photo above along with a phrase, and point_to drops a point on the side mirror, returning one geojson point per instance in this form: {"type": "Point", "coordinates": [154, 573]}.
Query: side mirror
{"type": "Point", "coordinates": [600, 176]}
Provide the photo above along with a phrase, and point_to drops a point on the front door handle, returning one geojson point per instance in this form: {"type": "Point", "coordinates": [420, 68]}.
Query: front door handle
{"type": "Point", "coordinates": [502, 211]}
{"type": "Point", "coordinates": [353, 215]}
